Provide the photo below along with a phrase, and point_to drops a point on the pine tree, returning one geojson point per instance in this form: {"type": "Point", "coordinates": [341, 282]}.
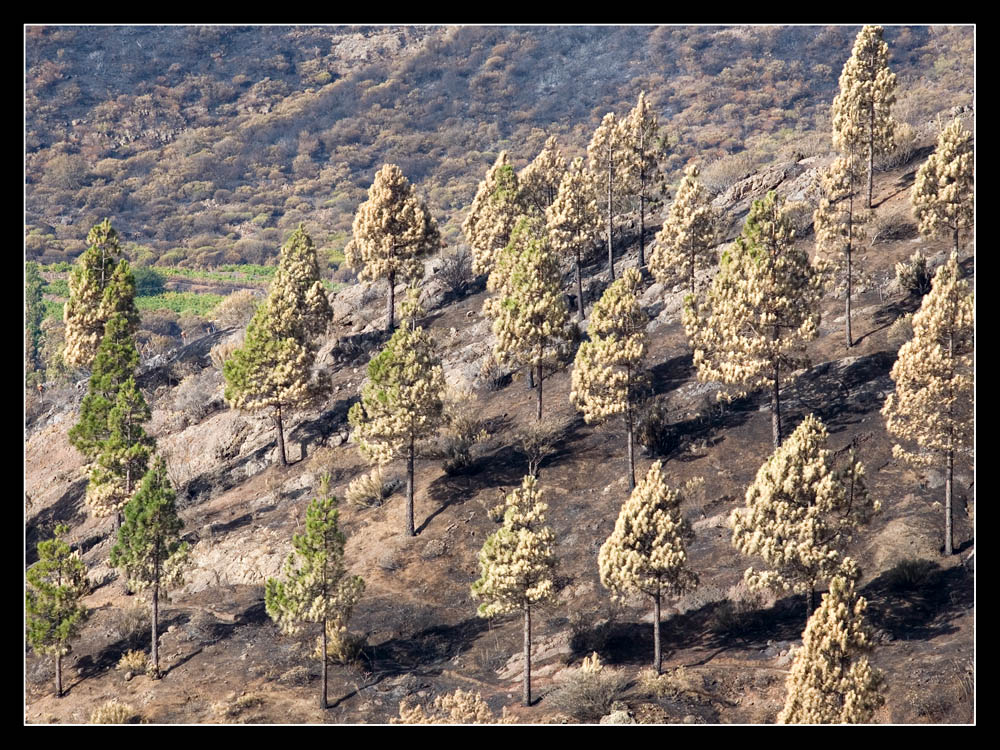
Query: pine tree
{"type": "Point", "coordinates": [274, 367]}
{"type": "Point", "coordinates": [53, 609]}
{"type": "Point", "coordinates": [933, 403]}
{"type": "Point", "coordinates": [528, 311]}
{"type": "Point", "coordinates": [646, 148]}
{"type": "Point", "coordinates": [124, 455]}
{"type": "Point", "coordinates": [836, 225]}
{"type": "Point", "coordinates": [401, 402]}
{"type": "Point", "coordinates": [317, 588]}
{"type": "Point", "coordinates": [34, 314]}
{"type": "Point", "coordinates": [761, 310]}
{"type": "Point", "coordinates": [831, 681]}
{"type": "Point", "coordinates": [862, 119]}
{"type": "Point", "coordinates": [115, 362]}
{"type": "Point", "coordinates": [684, 245]}
{"type": "Point", "coordinates": [646, 553]}
{"type": "Point", "coordinates": [392, 231]}
{"type": "Point", "coordinates": [943, 195]}
{"type": "Point", "coordinates": [493, 214]}
{"type": "Point", "coordinates": [607, 367]}
{"type": "Point", "coordinates": [149, 551]}
{"type": "Point", "coordinates": [608, 155]}
{"type": "Point", "coordinates": [86, 313]}
{"type": "Point", "coordinates": [573, 221]}
{"type": "Point", "coordinates": [800, 513]}
{"type": "Point", "coordinates": [517, 565]}
{"type": "Point", "coordinates": [539, 182]}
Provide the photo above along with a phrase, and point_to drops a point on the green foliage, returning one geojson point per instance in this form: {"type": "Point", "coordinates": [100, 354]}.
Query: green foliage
{"type": "Point", "coordinates": [149, 550]}
{"type": "Point", "coordinates": [56, 584]}
{"type": "Point", "coordinates": [148, 282]}
{"type": "Point", "coordinates": [34, 313]}
{"type": "Point", "coordinates": [197, 303]}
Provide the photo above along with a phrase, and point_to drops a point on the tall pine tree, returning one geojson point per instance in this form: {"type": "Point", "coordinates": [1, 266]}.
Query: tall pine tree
{"type": "Point", "coordinates": [607, 367]}
{"type": "Point", "coordinates": [53, 611]}
{"type": "Point", "coordinates": [933, 403]}
{"type": "Point", "coordinates": [317, 588]}
{"type": "Point", "coordinates": [761, 310]}
{"type": "Point", "coordinates": [683, 246]}
{"type": "Point", "coordinates": [517, 565]}
{"type": "Point", "coordinates": [273, 370]}
{"type": "Point", "coordinates": [539, 181]}
{"type": "Point", "coordinates": [646, 553]}
{"type": "Point", "coordinates": [149, 550]}
{"type": "Point", "coordinates": [392, 232]}
{"type": "Point", "coordinates": [646, 147]}
{"type": "Point", "coordinates": [943, 195]}
{"type": "Point", "coordinates": [862, 121]}
{"type": "Point", "coordinates": [402, 400]}
{"type": "Point", "coordinates": [494, 212]}
{"type": "Point", "coordinates": [608, 154]}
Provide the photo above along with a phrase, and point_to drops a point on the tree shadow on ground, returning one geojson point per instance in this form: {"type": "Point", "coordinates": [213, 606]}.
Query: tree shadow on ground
{"type": "Point", "coordinates": [67, 509]}
{"type": "Point", "coordinates": [668, 375]}
{"type": "Point", "coordinates": [839, 392]}
{"type": "Point", "coordinates": [320, 429]}
{"type": "Point", "coordinates": [676, 439]}
{"type": "Point", "coordinates": [918, 599]}
{"type": "Point", "coordinates": [428, 649]}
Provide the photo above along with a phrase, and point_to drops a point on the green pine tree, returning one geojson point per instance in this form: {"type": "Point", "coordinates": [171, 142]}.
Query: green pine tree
{"type": "Point", "coordinates": [317, 588]}
{"type": "Point", "coordinates": [274, 368]}
{"type": "Point", "coordinates": [53, 611]}
{"type": "Point", "coordinates": [149, 550]}
{"type": "Point", "coordinates": [34, 314]}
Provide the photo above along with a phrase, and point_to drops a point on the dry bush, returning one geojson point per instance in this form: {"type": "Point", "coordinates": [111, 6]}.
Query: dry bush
{"type": "Point", "coordinates": [900, 331]}
{"type": "Point", "coordinates": [236, 709]}
{"type": "Point", "coordinates": [199, 394]}
{"type": "Point", "coordinates": [236, 310]}
{"type": "Point", "coordinates": [457, 443]}
{"type": "Point", "coordinates": [370, 490]}
{"type": "Point", "coordinates": [909, 575]}
{"type": "Point", "coordinates": [889, 225]}
{"type": "Point", "coordinates": [456, 270]}
{"type": "Point", "coordinates": [908, 143]}
{"type": "Point", "coordinates": [133, 661]}
{"type": "Point", "coordinates": [591, 691]}
{"type": "Point", "coordinates": [913, 275]}
{"type": "Point", "coordinates": [224, 350]}
{"type": "Point", "coordinates": [114, 712]}
{"type": "Point", "coordinates": [653, 428]}
{"type": "Point", "coordinates": [492, 375]}
{"type": "Point", "coordinates": [131, 624]}
{"type": "Point", "coordinates": [539, 439]}
{"type": "Point", "coordinates": [723, 173]}
{"type": "Point", "coordinates": [342, 647]}
{"type": "Point", "coordinates": [454, 708]}
{"type": "Point", "coordinates": [672, 683]}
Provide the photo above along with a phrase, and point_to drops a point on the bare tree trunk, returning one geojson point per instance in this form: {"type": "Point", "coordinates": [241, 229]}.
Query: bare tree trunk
{"type": "Point", "coordinates": [579, 288]}
{"type": "Point", "coordinates": [156, 617]}
{"type": "Point", "coordinates": [871, 151]}
{"type": "Point", "coordinates": [642, 227]}
{"type": "Point", "coordinates": [392, 302]}
{"type": "Point", "coordinates": [956, 239]}
{"type": "Point", "coordinates": [629, 429]}
{"type": "Point", "coordinates": [611, 252]}
{"type": "Point", "coordinates": [59, 688]}
{"type": "Point", "coordinates": [322, 699]}
{"type": "Point", "coordinates": [810, 601]}
{"type": "Point", "coordinates": [847, 316]}
{"type": "Point", "coordinates": [657, 655]}
{"type": "Point", "coordinates": [409, 488]}
{"type": "Point", "coordinates": [538, 415]}
{"type": "Point", "coordinates": [526, 687]}
{"type": "Point", "coordinates": [948, 530]}
{"type": "Point", "coordinates": [776, 405]}
{"type": "Point", "coordinates": [281, 435]}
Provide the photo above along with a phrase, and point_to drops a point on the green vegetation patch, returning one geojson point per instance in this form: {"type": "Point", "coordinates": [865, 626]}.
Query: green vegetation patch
{"type": "Point", "coordinates": [180, 302]}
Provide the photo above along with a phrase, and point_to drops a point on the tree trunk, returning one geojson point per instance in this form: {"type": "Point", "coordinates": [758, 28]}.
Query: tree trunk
{"type": "Point", "coordinates": [538, 415]}
{"type": "Point", "coordinates": [657, 655]}
{"type": "Point", "coordinates": [281, 435]}
{"type": "Point", "coordinates": [871, 151]}
{"type": "Point", "coordinates": [392, 302]}
{"type": "Point", "coordinates": [642, 227]}
{"type": "Point", "coordinates": [949, 475]}
{"type": "Point", "coordinates": [776, 405]}
{"type": "Point", "coordinates": [629, 430]}
{"type": "Point", "coordinates": [322, 699]}
{"type": "Point", "coordinates": [810, 601]}
{"type": "Point", "coordinates": [611, 252]}
{"type": "Point", "coordinates": [530, 380]}
{"type": "Point", "coordinates": [409, 488]}
{"type": "Point", "coordinates": [847, 315]}
{"type": "Point", "coordinates": [59, 689]}
{"type": "Point", "coordinates": [579, 289]}
{"type": "Point", "coordinates": [156, 617]}
{"type": "Point", "coordinates": [956, 239]}
{"type": "Point", "coordinates": [526, 687]}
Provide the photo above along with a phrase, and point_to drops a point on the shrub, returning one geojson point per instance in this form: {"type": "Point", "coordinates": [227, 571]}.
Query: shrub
{"type": "Point", "coordinates": [723, 173]}
{"type": "Point", "coordinates": [236, 310]}
{"type": "Point", "coordinates": [454, 708]}
{"type": "Point", "coordinates": [741, 612]}
{"type": "Point", "coordinates": [891, 225]}
{"type": "Point", "coordinates": [236, 708]}
{"type": "Point", "coordinates": [224, 350]}
{"type": "Point", "coordinates": [148, 281]}
{"type": "Point", "coordinates": [913, 276]}
{"type": "Point", "coordinates": [133, 661]}
{"type": "Point", "coordinates": [114, 712]}
{"type": "Point", "coordinates": [463, 432]}
{"type": "Point", "coordinates": [591, 691]}
{"type": "Point", "coordinates": [492, 375]}
{"type": "Point", "coordinates": [672, 683]}
{"type": "Point", "coordinates": [907, 145]}
{"type": "Point", "coordinates": [456, 270]}
{"type": "Point", "coordinates": [198, 395]}
{"type": "Point", "coordinates": [653, 429]}
{"type": "Point", "coordinates": [370, 490]}
{"type": "Point", "coordinates": [909, 575]}
{"type": "Point", "coordinates": [538, 440]}
{"type": "Point", "coordinates": [131, 624]}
